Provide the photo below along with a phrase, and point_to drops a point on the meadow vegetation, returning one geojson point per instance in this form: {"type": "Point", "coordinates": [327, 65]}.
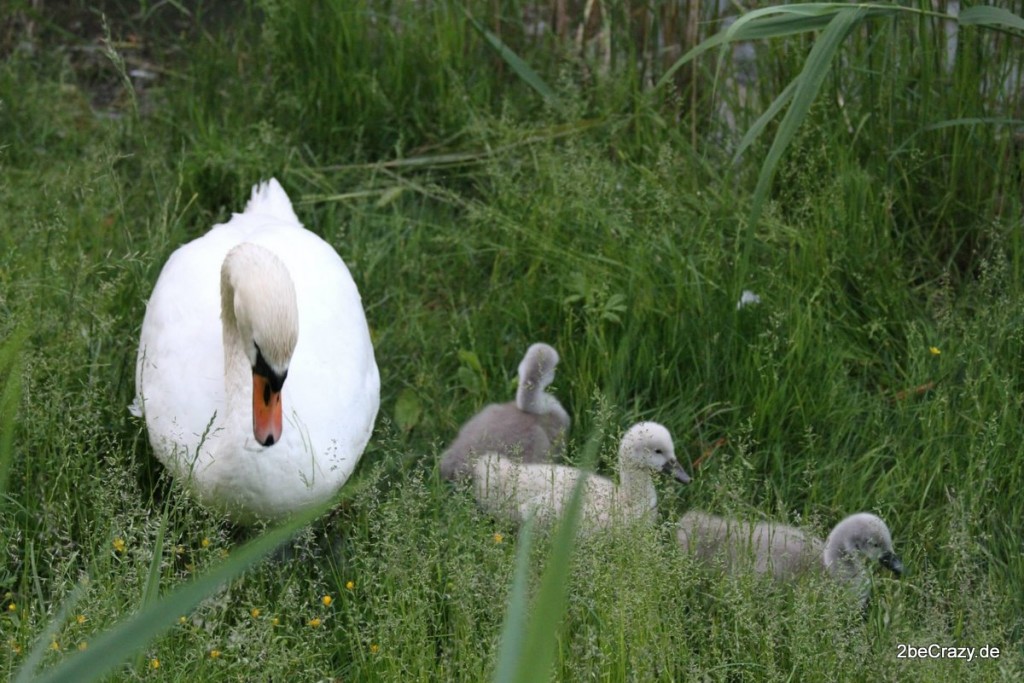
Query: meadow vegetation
{"type": "Point", "coordinates": [593, 200]}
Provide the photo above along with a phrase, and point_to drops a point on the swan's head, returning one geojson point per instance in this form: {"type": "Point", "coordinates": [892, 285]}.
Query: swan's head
{"type": "Point", "coordinates": [648, 445]}
{"type": "Point", "coordinates": [258, 302]}
{"type": "Point", "coordinates": [859, 539]}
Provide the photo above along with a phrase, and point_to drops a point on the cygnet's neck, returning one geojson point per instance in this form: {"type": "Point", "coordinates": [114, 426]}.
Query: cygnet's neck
{"type": "Point", "coordinates": [636, 491]}
{"type": "Point", "coordinates": [531, 397]}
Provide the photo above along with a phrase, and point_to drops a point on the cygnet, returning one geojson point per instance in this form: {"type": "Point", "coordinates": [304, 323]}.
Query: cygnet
{"type": "Point", "coordinates": [532, 428]}
{"type": "Point", "coordinates": [785, 552]}
{"type": "Point", "coordinates": [513, 490]}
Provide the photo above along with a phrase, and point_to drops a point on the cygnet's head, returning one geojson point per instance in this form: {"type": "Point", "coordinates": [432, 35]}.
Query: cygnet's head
{"type": "Point", "coordinates": [536, 373]}
{"type": "Point", "coordinates": [648, 445]}
{"type": "Point", "coordinates": [258, 300]}
{"type": "Point", "coordinates": [860, 539]}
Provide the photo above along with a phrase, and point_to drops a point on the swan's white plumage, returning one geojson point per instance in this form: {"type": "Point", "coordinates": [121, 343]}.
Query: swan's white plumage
{"type": "Point", "coordinates": [517, 490]}
{"type": "Point", "coordinates": [331, 395]}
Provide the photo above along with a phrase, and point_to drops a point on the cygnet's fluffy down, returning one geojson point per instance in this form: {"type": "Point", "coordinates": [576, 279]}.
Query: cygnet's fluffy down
{"type": "Point", "coordinates": [776, 549]}
{"type": "Point", "coordinates": [531, 429]}
{"type": "Point", "coordinates": [784, 552]}
{"type": "Point", "coordinates": [516, 490]}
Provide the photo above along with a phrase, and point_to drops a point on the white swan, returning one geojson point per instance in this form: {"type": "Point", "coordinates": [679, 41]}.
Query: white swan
{"type": "Point", "coordinates": [255, 372]}
{"type": "Point", "coordinates": [532, 428]}
{"type": "Point", "coordinates": [786, 552]}
{"type": "Point", "coordinates": [516, 490]}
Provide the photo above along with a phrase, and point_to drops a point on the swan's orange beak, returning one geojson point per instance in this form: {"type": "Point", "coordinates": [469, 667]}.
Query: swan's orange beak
{"type": "Point", "coordinates": [266, 411]}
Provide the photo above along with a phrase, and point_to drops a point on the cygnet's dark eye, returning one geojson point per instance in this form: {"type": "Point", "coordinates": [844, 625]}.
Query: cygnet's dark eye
{"type": "Point", "coordinates": [659, 451]}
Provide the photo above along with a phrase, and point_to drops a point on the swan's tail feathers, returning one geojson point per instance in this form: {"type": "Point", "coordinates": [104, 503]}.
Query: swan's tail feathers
{"type": "Point", "coordinates": [269, 197]}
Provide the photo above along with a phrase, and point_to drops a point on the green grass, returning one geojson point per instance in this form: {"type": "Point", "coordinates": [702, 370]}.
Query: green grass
{"type": "Point", "coordinates": [612, 220]}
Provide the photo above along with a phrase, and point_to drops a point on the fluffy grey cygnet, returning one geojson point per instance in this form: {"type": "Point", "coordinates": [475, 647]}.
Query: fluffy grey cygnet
{"type": "Point", "coordinates": [856, 543]}
{"type": "Point", "coordinates": [785, 552]}
{"type": "Point", "coordinates": [516, 490]}
{"type": "Point", "coordinates": [531, 429]}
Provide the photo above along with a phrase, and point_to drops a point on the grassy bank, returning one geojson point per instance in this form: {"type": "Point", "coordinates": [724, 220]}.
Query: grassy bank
{"type": "Point", "coordinates": [481, 208]}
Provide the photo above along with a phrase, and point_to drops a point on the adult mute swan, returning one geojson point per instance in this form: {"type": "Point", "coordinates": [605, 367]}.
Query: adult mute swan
{"type": "Point", "coordinates": [516, 490]}
{"type": "Point", "coordinates": [785, 552]}
{"type": "Point", "coordinates": [255, 372]}
{"type": "Point", "coordinates": [531, 429]}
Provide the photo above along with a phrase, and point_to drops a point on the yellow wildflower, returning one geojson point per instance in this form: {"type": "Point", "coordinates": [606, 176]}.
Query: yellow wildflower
{"type": "Point", "coordinates": [80, 619]}
{"type": "Point", "coordinates": [119, 545]}
{"type": "Point", "coordinates": [934, 350]}
{"type": "Point", "coordinates": [83, 646]}
{"type": "Point", "coordinates": [205, 543]}
{"type": "Point", "coordinates": [214, 654]}
{"type": "Point", "coordinates": [12, 607]}
{"type": "Point", "coordinates": [315, 622]}
{"type": "Point", "coordinates": [55, 646]}
{"type": "Point", "coordinates": [255, 613]}
{"type": "Point", "coordinates": [154, 663]}
{"type": "Point", "coordinates": [374, 648]}
{"type": "Point", "coordinates": [327, 600]}
{"type": "Point", "coordinates": [275, 621]}
{"type": "Point", "coordinates": [182, 620]}
{"type": "Point", "coordinates": [498, 538]}
{"type": "Point", "coordinates": [350, 585]}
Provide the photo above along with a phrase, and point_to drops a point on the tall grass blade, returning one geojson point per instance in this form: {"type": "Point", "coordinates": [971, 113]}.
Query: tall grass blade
{"type": "Point", "coordinates": [151, 590]}
{"type": "Point", "coordinates": [755, 129]}
{"type": "Point", "coordinates": [991, 17]}
{"type": "Point", "coordinates": [514, 628]}
{"type": "Point", "coordinates": [515, 62]}
{"type": "Point", "coordinates": [716, 40]}
{"type": "Point", "coordinates": [773, 22]}
{"type": "Point", "coordinates": [809, 83]}
{"type": "Point", "coordinates": [28, 668]}
{"type": "Point", "coordinates": [120, 642]}
{"type": "Point", "coordinates": [549, 607]}
{"type": "Point", "coordinates": [953, 123]}
{"type": "Point", "coordinates": [776, 22]}
{"type": "Point", "coordinates": [531, 660]}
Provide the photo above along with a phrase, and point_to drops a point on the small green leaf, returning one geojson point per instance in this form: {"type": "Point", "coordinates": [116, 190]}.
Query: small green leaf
{"type": "Point", "coordinates": [472, 360]}
{"type": "Point", "coordinates": [408, 410]}
{"type": "Point", "coordinates": [390, 195]}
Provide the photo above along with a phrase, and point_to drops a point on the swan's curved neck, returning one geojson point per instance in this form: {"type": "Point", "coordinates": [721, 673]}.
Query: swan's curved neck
{"type": "Point", "coordinates": [259, 316]}
{"type": "Point", "coordinates": [237, 371]}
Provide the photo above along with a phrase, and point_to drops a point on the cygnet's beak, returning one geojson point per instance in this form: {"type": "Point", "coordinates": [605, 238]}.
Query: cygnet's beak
{"type": "Point", "coordinates": [674, 469]}
{"type": "Point", "coordinates": [266, 409]}
{"type": "Point", "coordinates": [892, 562]}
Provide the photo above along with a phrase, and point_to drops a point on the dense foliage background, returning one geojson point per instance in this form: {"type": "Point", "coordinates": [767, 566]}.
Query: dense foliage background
{"type": "Point", "coordinates": [593, 199]}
